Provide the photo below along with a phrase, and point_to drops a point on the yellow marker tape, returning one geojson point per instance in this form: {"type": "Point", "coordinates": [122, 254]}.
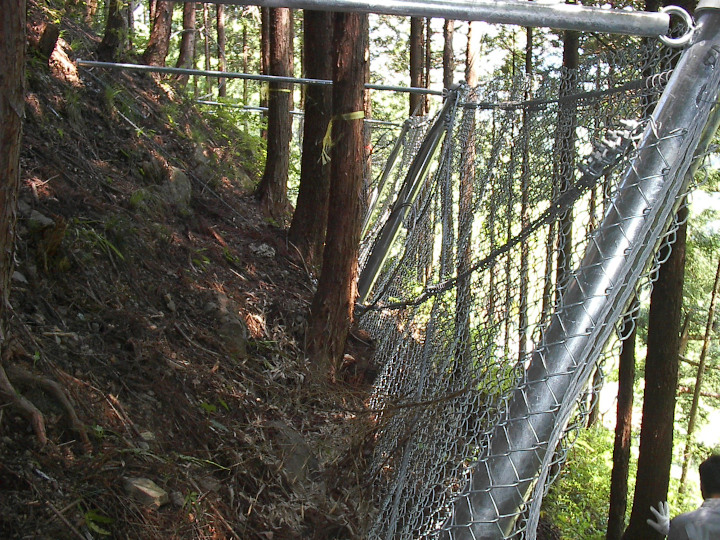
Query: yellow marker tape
{"type": "Point", "coordinates": [327, 139]}
{"type": "Point", "coordinates": [279, 90]}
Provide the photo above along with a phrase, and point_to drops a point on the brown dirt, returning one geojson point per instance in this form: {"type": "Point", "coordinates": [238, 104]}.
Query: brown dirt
{"type": "Point", "coordinates": [117, 299]}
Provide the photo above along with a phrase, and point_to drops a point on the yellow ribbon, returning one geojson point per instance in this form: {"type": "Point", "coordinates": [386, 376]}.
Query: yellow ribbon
{"type": "Point", "coordinates": [327, 139]}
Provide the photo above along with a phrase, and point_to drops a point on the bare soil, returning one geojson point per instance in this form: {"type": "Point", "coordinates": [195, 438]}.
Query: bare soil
{"type": "Point", "coordinates": [175, 329]}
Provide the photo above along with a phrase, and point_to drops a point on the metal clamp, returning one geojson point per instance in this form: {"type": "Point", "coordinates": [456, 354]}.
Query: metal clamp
{"type": "Point", "coordinates": [686, 19]}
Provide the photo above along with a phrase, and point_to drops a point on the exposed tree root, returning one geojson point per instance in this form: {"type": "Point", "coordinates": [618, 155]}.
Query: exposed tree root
{"type": "Point", "coordinates": [23, 406]}
{"type": "Point", "coordinates": [13, 374]}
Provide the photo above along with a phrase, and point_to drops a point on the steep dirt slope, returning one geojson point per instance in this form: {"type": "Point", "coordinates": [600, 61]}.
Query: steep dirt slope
{"type": "Point", "coordinates": [149, 286]}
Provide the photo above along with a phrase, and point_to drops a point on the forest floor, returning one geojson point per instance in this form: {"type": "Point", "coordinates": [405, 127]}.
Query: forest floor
{"type": "Point", "coordinates": [172, 313]}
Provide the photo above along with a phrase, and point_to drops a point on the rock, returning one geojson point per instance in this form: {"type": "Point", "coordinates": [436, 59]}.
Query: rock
{"type": "Point", "coordinates": [234, 334]}
{"type": "Point", "coordinates": [200, 156]}
{"type": "Point", "coordinates": [178, 189]}
{"type": "Point", "coordinates": [38, 221]}
{"type": "Point", "coordinates": [232, 328]}
{"type": "Point", "coordinates": [262, 250]}
{"type": "Point", "coordinates": [298, 460]}
{"type": "Point", "coordinates": [24, 209]}
{"type": "Point", "coordinates": [17, 276]}
{"type": "Point", "coordinates": [147, 436]}
{"type": "Point", "coordinates": [146, 492]}
{"type": "Point", "coordinates": [153, 170]}
{"type": "Point", "coordinates": [177, 499]}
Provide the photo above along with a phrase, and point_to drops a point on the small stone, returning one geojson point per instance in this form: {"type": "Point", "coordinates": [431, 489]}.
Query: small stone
{"type": "Point", "coordinates": [147, 436]}
{"type": "Point", "coordinates": [146, 492]}
{"type": "Point", "coordinates": [177, 499]}
{"type": "Point", "coordinates": [17, 276]}
{"type": "Point", "coordinates": [39, 221]}
{"type": "Point", "coordinates": [262, 250]}
{"type": "Point", "coordinates": [142, 445]}
{"type": "Point", "coordinates": [24, 209]}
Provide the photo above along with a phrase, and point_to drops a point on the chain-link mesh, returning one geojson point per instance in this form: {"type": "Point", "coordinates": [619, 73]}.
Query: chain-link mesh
{"type": "Point", "coordinates": [493, 306]}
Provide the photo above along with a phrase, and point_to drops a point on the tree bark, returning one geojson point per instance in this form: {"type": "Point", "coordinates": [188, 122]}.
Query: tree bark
{"type": "Point", "coordinates": [206, 41]}
{"type": "Point", "coordinates": [159, 43]}
{"type": "Point", "coordinates": [428, 62]}
{"type": "Point", "coordinates": [448, 53]}
{"type": "Point", "coordinates": [264, 59]}
{"type": "Point", "coordinates": [221, 40]}
{"type": "Point", "coordinates": [564, 167]}
{"type": "Point", "coordinates": [90, 10]}
{"type": "Point", "coordinates": [332, 310]}
{"type": "Point", "coordinates": [698, 381]}
{"type": "Point", "coordinates": [523, 319]}
{"type": "Point", "coordinates": [661, 376]}
{"type": "Point", "coordinates": [623, 429]}
{"type": "Point", "coordinates": [463, 299]}
{"type": "Point", "coordinates": [272, 191]}
{"type": "Point", "coordinates": [187, 42]}
{"type": "Point", "coordinates": [307, 231]}
{"type": "Point", "coordinates": [417, 107]}
{"type": "Point", "coordinates": [12, 104]}
{"type": "Point", "coordinates": [114, 41]}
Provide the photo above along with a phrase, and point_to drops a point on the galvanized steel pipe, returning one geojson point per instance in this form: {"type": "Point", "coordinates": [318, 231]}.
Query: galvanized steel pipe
{"type": "Point", "coordinates": [523, 13]}
{"type": "Point", "coordinates": [247, 76]}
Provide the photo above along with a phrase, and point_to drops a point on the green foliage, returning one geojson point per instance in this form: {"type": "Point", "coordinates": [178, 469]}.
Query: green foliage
{"type": "Point", "coordinates": [577, 503]}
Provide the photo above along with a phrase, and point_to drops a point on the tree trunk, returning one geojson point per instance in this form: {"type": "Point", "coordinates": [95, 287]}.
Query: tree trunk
{"type": "Point", "coordinates": [187, 42]}
{"type": "Point", "coordinates": [159, 43]}
{"type": "Point", "coordinates": [272, 191]}
{"type": "Point", "coordinates": [564, 167]}
{"type": "Point", "coordinates": [332, 310]}
{"type": "Point", "coordinates": [12, 104]}
{"type": "Point", "coordinates": [245, 61]}
{"type": "Point", "coordinates": [448, 53]}
{"type": "Point", "coordinates": [264, 60]}
{"type": "Point", "coordinates": [699, 381]}
{"type": "Point", "coordinates": [206, 41]}
{"type": "Point", "coordinates": [307, 231]}
{"type": "Point", "coordinates": [114, 41]}
{"type": "Point", "coordinates": [428, 62]}
{"type": "Point", "coordinates": [463, 300]}
{"type": "Point", "coordinates": [661, 376]}
{"type": "Point", "coordinates": [90, 10]}
{"type": "Point", "coordinates": [623, 428]}
{"type": "Point", "coordinates": [523, 319]}
{"type": "Point", "coordinates": [220, 20]}
{"type": "Point", "coordinates": [417, 107]}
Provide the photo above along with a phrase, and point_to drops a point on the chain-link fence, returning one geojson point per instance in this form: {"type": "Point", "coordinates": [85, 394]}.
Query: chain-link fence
{"type": "Point", "coordinates": [493, 282]}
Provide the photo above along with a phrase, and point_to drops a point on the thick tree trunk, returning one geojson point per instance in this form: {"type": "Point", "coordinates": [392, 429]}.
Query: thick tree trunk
{"type": "Point", "coordinates": [307, 231]}
{"type": "Point", "coordinates": [220, 21]}
{"type": "Point", "coordinates": [448, 53]}
{"type": "Point", "coordinates": [417, 105]}
{"type": "Point", "coordinates": [698, 381]}
{"type": "Point", "coordinates": [331, 313]}
{"type": "Point", "coordinates": [159, 43]}
{"type": "Point", "coordinates": [12, 104]}
{"type": "Point", "coordinates": [661, 376]}
{"type": "Point", "coordinates": [187, 42]}
{"type": "Point", "coordinates": [272, 191]}
{"type": "Point", "coordinates": [623, 429]}
{"type": "Point", "coordinates": [114, 41]}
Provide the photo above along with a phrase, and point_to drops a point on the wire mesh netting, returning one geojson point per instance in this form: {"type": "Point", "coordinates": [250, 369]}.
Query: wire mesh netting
{"type": "Point", "coordinates": [500, 252]}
